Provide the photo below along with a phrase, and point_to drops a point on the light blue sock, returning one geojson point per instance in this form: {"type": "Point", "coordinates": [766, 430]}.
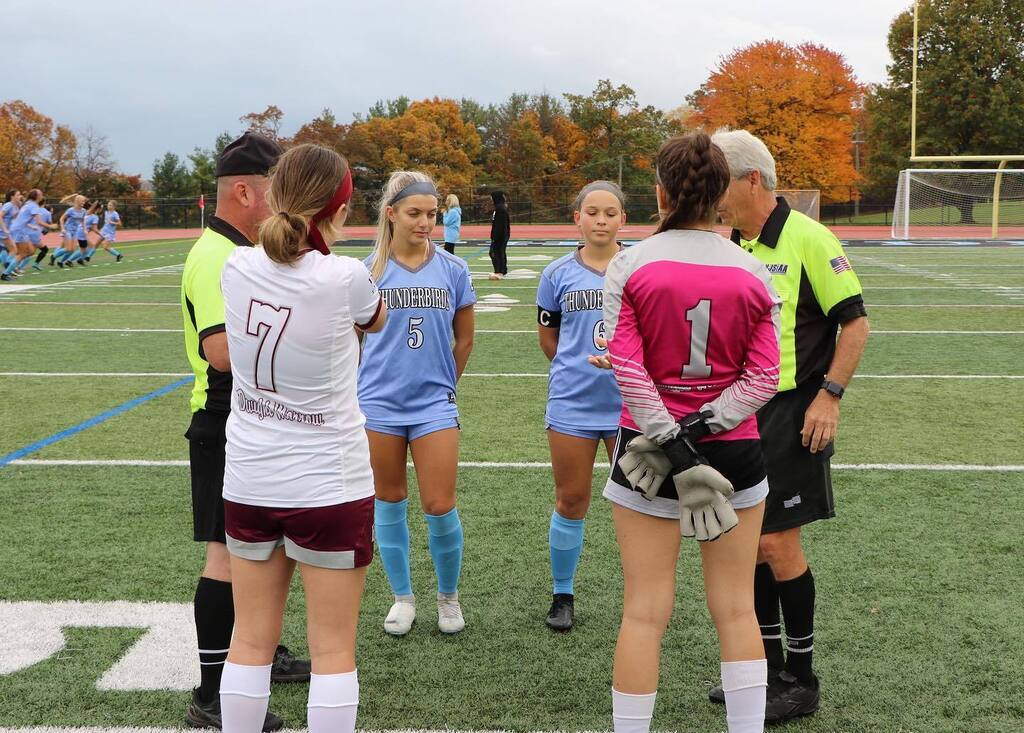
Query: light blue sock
{"type": "Point", "coordinates": [77, 255]}
{"type": "Point", "coordinates": [4, 257]}
{"type": "Point", "coordinates": [89, 252]}
{"type": "Point", "coordinates": [114, 252]}
{"type": "Point", "coordinates": [565, 537]}
{"type": "Point", "coordinates": [56, 254]}
{"type": "Point", "coordinates": [391, 524]}
{"type": "Point", "coordinates": [11, 265]}
{"type": "Point", "coordinates": [446, 540]}
{"type": "Point", "coordinates": [24, 262]}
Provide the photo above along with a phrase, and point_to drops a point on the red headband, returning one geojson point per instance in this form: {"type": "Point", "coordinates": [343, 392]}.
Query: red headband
{"type": "Point", "coordinates": [341, 196]}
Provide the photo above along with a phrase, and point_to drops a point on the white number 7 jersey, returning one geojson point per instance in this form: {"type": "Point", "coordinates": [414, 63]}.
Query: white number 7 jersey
{"type": "Point", "coordinates": [295, 434]}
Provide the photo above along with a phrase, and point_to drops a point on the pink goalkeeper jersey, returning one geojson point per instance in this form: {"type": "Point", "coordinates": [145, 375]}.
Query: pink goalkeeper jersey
{"type": "Point", "coordinates": [692, 323]}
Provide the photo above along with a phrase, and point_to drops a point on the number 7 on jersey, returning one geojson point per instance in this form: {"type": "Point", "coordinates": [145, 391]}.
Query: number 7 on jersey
{"type": "Point", "coordinates": [266, 322]}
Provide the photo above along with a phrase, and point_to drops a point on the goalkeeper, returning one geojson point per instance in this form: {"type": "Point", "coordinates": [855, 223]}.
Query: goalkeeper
{"type": "Point", "coordinates": [692, 327]}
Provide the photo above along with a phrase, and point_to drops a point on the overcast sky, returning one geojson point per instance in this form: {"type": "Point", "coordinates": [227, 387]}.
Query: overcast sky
{"type": "Point", "coordinates": [158, 75]}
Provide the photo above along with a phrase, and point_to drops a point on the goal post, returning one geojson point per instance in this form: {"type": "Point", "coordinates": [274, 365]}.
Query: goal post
{"type": "Point", "coordinates": [959, 202]}
{"type": "Point", "coordinates": [806, 201]}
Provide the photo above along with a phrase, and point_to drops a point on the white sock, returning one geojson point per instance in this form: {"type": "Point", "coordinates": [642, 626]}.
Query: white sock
{"type": "Point", "coordinates": [333, 702]}
{"type": "Point", "coordinates": [632, 713]}
{"type": "Point", "coordinates": [244, 696]}
{"type": "Point", "coordinates": [745, 685]}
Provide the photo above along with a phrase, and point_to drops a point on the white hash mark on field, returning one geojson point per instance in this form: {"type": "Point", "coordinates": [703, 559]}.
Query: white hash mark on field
{"type": "Point", "coordinates": [164, 658]}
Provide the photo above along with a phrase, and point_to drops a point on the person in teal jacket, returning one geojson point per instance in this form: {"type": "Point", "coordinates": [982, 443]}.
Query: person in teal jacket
{"type": "Point", "coordinates": [452, 220]}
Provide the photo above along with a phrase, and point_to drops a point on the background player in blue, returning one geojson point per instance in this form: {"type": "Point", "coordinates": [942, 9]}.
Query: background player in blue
{"type": "Point", "coordinates": [583, 403]}
{"type": "Point", "coordinates": [25, 222]}
{"type": "Point", "coordinates": [46, 220]}
{"type": "Point", "coordinates": [407, 392]}
{"type": "Point", "coordinates": [70, 221]}
{"type": "Point", "coordinates": [12, 202]}
{"type": "Point", "coordinates": [108, 234]}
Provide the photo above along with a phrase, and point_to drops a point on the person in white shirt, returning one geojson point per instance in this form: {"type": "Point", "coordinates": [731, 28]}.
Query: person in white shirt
{"type": "Point", "coordinates": [298, 487]}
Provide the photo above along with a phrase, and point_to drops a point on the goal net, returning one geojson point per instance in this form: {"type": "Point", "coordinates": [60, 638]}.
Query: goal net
{"type": "Point", "coordinates": [959, 203]}
{"type": "Point", "coordinates": [806, 201]}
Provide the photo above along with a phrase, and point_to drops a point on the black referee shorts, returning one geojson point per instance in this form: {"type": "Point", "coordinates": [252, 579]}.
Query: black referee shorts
{"type": "Point", "coordinates": [206, 443]}
{"type": "Point", "coordinates": [799, 482]}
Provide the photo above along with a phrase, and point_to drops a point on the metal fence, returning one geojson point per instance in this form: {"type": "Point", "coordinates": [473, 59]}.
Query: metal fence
{"type": "Point", "coordinates": [527, 205]}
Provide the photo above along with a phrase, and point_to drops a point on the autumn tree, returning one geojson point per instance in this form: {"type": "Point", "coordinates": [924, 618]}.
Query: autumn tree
{"type": "Point", "coordinates": [325, 130]}
{"type": "Point", "coordinates": [171, 177]}
{"type": "Point", "coordinates": [799, 100]}
{"type": "Point", "coordinates": [35, 152]}
{"type": "Point", "coordinates": [970, 84]}
{"type": "Point", "coordinates": [266, 123]}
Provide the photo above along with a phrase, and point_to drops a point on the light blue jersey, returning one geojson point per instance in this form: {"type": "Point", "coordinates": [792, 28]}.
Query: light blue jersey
{"type": "Point", "coordinates": [90, 222]}
{"type": "Point", "coordinates": [110, 218]}
{"type": "Point", "coordinates": [570, 298]}
{"type": "Point", "coordinates": [73, 219]}
{"type": "Point", "coordinates": [407, 375]}
{"type": "Point", "coordinates": [25, 221]}
{"type": "Point", "coordinates": [9, 211]}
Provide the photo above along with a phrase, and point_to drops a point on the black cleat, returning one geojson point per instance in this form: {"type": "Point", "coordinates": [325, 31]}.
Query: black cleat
{"type": "Point", "coordinates": [717, 695]}
{"type": "Point", "coordinates": [562, 613]}
{"type": "Point", "coordinates": [790, 698]}
{"type": "Point", "coordinates": [51, 260]}
{"type": "Point", "coordinates": [81, 262]}
{"type": "Point", "coordinates": [288, 668]}
{"type": "Point", "coordinates": [119, 258]}
{"type": "Point", "coordinates": [207, 714]}
{"type": "Point", "coordinates": [6, 277]}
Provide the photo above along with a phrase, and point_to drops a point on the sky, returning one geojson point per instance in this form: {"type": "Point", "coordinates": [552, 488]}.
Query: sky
{"type": "Point", "coordinates": [168, 75]}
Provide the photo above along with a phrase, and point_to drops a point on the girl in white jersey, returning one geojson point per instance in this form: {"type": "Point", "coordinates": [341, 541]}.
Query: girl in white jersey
{"type": "Point", "coordinates": [297, 480]}
{"type": "Point", "coordinates": [692, 328]}
{"type": "Point", "coordinates": [407, 383]}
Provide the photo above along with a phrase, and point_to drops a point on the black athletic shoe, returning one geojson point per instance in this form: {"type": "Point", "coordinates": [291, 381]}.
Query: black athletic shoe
{"type": "Point", "coordinates": [51, 260]}
{"type": "Point", "coordinates": [289, 668]}
{"type": "Point", "coordinates": [207, 714]}
{"type": "Point", "coordinates": [119, 258]}
{"type": "Point", "coordinates": [717, 695]}
{"type": "Point", "coordinates": [6, 278]}
{"type": "Point", "coordinates": [88, 258]}
{"type": "Point", "coordinates": [562, 612]}
{"type": "Point", "coordinates": [81, 262]}
{"type": "Point", "coordinates": [790, 698]}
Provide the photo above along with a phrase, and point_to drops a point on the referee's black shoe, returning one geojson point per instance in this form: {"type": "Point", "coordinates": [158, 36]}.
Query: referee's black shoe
{"type": "Point", "coordinates": [717, 695]}
{"type": "Point", "coordinates": [790, 698]}
{"type": "Point", "coordinates": [562, 613]}
{"type": "Point", "coordinates": [201, 714]}
{"type": "Point", "coordinates": [286, 667]}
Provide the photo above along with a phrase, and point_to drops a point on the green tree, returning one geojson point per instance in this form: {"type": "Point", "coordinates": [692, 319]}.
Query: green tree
{"type": "Point", "coordinates": [970, 86]}
{"type": "Point", "coordinates": [204, 168]}
{"type": "Point", "coordinates": [171, 177]}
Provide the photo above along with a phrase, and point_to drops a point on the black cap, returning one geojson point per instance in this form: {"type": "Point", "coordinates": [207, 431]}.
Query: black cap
{"type": "Point", "coordinates": [249, 155]}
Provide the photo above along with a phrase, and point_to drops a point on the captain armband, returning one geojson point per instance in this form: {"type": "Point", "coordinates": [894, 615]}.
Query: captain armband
{"type": "Point", "coordinates": [549, 319]}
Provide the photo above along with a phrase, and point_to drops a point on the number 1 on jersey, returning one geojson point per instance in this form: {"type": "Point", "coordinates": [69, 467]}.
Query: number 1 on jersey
{"type": "Point", "coordinates": [700, 328]}
{"type": "Point", "coordinates": [266, 322]}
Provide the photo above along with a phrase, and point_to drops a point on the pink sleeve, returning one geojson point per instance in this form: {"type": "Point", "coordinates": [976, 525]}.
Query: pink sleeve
{"type": "Point", "coordinates": [626, 350]}
{"type": "Point", "coordinates": [759, 381]}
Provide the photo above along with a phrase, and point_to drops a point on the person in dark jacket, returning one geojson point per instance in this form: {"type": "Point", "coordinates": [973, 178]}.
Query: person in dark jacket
{"type": "Point", "coordinates": [501, 230]}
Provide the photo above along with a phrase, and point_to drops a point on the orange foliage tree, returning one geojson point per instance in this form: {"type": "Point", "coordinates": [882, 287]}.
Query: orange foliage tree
{"type": "Point", "coordinates": [800, 100]}
{"type": "Point", "coordinates": [34, 152]}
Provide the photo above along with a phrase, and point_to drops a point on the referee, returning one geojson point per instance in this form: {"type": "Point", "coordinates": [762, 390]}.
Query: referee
{"type": "Point", "coordinates": [241, 205]}
{"type": "Point", "coordinates": [821, 297]}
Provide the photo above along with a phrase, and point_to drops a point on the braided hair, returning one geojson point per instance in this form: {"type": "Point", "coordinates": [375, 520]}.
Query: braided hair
{"type": "Point", "coordinates": [694, 175]}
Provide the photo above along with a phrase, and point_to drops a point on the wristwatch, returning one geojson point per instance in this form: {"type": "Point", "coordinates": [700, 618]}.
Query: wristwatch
{"type": "Point", "coordinates": [833, 388]}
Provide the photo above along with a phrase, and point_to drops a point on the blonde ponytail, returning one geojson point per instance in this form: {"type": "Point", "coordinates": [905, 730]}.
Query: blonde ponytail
{"type": "Point", "coordinates": [302, 183]}
{"type": "Point", "coordinates": [385, 229]}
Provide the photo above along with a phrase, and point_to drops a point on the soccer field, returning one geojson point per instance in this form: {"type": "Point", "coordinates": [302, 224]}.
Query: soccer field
{"type": "Point", "coordinates": [918, 578]}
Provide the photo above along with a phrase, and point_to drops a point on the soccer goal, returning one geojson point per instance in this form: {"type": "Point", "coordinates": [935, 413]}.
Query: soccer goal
{"type": "Point", "coordinates": [806, 201]}
{"type": "Point", "coordinates": [980, 202]}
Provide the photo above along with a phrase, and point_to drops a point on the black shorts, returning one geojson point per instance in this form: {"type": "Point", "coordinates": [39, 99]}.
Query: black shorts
{"type": "Point", "coordinates": [206, 444]}
{"type": "Point", "coordinates": [799, 482]}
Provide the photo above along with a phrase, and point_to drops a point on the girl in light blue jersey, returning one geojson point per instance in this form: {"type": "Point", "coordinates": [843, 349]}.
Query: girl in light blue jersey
{"type": "Point", "coordinates": [12, 202]}
{"type": "Point", "coordinates": [70, 222]}
{"type": "Point", "coordinates": [26, 229]}
{"type": "Point", "coordinates": [46, 219]}
{"type": "Point", "coordinates": [584, 405]}
{"type": "Point", "coordinates": [108, 234]}
{"type": "Point", "coordinates": [452, 219]}
{"type": "Point", "coordinates": [407, 392]}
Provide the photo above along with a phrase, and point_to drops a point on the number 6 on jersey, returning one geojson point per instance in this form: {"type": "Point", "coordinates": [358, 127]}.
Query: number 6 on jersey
{"type": "Point", "coordinates": [266, 322]}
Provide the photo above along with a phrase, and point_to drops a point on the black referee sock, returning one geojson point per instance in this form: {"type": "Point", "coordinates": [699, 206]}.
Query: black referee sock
{"type": "Point", "coordinates": [766, 606]}
{"type": "Point", "coordinates": [215, 619]}
{"type": "Point", "coordinates": [797, 597]}
{"type": "Point", "coordinates": [42, 254]}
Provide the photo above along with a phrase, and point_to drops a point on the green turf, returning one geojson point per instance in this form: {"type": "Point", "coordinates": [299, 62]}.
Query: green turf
{"type": "Point", "coordinates": [918, 578]}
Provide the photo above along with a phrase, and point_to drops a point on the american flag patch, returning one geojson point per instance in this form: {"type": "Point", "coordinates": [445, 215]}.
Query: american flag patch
{"type": "Point", "coordinates": [840, 264]}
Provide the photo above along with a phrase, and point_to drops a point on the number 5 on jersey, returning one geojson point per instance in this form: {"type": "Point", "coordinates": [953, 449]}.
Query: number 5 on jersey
{"type": "Point", "coordinates": [415, 339]}
{"type": "Point", "coordinates": [266, 322]}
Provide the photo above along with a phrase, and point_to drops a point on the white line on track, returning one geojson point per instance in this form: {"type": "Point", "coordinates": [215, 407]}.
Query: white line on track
{"type": "Point", "coordinates": [493, 375]}
{"type": "Point", "coordinates": [971, 467]}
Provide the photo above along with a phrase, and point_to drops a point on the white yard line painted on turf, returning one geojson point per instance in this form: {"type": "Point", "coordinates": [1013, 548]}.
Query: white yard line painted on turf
{"type": "Point", "coordinates": [494, 375]}
{"type": "Point", "coordinates": [957, 281]}
{"type": "Point", "coordinates": [82, 280]}
{"type": "Point", "coordinates": [970, 467]}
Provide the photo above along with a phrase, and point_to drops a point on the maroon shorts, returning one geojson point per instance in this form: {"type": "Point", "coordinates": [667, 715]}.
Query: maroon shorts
{"type": "Point", "coordinates": [338, 537]}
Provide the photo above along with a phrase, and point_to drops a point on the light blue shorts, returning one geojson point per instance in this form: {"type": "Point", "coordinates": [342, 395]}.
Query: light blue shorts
{"type": "Point", "coordinates": [414, 432]}
{"type": "Point", "coordinates": [110, 236]}
{"type": "Point", "coordinates": [35, 237]}
{"type": "Point", "coordinates": [580, 432]}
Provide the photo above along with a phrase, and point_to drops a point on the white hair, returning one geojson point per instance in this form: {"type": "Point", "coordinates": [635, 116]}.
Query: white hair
{"type": "Point", "coordinates": [746, 154]}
